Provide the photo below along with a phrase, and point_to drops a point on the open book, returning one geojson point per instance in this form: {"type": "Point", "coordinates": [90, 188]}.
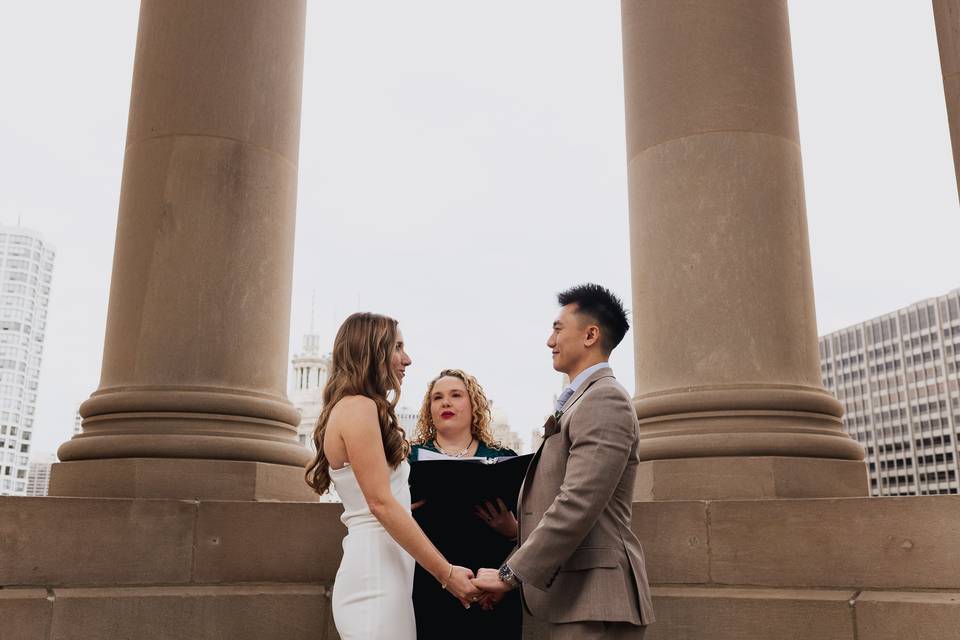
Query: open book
{"type": "Point", "coordinates": [460, 483]}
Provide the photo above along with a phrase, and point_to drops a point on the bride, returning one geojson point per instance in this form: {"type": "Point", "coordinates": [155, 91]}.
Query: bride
{"type": "Point", "coordinates": [362, 451]}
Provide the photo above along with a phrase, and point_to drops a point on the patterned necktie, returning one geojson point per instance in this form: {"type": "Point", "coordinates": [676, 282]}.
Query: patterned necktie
{"type": "Point", "coordinates": [564, 396]}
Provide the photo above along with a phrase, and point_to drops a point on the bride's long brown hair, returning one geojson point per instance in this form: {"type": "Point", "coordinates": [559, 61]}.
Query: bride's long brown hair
{"type": "Point", "coordinates": [361, 366]}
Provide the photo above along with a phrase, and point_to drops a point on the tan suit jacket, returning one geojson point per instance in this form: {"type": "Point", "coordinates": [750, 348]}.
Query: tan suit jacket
{"type": "Point", "coordinates": [578, 559]}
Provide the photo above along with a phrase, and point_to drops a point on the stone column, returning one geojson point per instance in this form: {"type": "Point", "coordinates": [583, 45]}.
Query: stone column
{"type": "Point", "coordinates": [192, 397]}
{"type": "Point", "coordinates": [946, 15]}
{"type": "Point", "coordinates": [727, 365]}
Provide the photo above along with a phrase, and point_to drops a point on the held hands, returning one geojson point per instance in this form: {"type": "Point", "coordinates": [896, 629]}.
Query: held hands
{"type": "Point", "coordinates": [459, 583]}
{"type": "Point", "coordinates": [497, 517]}
{"type": "Point", "coordinates": [494, 588]}
{"type": "Point", "coordinates": [488, 581]}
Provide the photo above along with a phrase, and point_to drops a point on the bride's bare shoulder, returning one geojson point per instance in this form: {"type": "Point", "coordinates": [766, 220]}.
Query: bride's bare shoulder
{"type": "Point", "coordinates": [354, 408]}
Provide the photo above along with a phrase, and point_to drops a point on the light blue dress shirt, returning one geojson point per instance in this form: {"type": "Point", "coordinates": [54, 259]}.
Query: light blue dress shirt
{"type": "Point", "coordinates": [577, 382]}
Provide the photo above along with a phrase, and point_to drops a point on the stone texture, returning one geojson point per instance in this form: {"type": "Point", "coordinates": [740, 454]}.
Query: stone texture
{"type": "Point", "coordinates": [180, 478]}
{"type": "Point", "coordinates": [699, 66]}
{"type": "Point", "coordinates": [759, 477]}
{"type": "Point", "coordinates": [55, 541]}
{"type": "Point", "coordinates": [917, 616]}
{"type": "Point", "coordinates": [257, 102]}
{"type": "Point", "coordinates": [304, 543]}
{"type": "Point", "coordinates": [885, 543]}
{"type": "Point", "coordinates": [199, 613]}
{"type": "Point", "coordinates": [694, 613]}
{"type": "Point", "coordinates": [25, 613]}
{"type": "Point", "coordinates": [726, 336]}
{"type": "Point", "coordinates": [195, 356]}
{"type": "Point", "coordinates": [946, 14]}
{"type": "Point", "coordinates": [674, 537]}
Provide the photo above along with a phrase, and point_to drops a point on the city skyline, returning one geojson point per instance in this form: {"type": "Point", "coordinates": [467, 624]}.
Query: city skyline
{"type": "Point", "coordinates": [457, 219]}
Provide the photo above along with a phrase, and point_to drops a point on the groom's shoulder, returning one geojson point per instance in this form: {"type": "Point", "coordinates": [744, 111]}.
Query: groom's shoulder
{"type": "Point", "coordinates": [607, 389]}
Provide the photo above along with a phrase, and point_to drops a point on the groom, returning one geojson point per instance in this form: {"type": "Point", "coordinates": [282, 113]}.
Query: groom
{"type": "Point", "coordinates": [578, 564]}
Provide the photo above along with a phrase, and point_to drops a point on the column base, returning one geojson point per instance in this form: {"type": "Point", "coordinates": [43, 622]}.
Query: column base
{"type": "Point", "coordinates": [732, 478]}
{"type": "Point", "coordinates": [179, 478]}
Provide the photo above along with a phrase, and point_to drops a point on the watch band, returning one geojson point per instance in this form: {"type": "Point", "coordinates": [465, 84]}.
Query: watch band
{"type": "Point", "coordinates": [507, 576]}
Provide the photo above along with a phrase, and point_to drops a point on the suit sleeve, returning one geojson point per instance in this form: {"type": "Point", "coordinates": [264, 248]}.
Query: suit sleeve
{"type": "Point", "coordinates": [600, 443]}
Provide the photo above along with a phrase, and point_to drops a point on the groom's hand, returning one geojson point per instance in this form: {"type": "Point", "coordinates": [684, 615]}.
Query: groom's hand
{"type": "Point", "coordinates": [488, 580]}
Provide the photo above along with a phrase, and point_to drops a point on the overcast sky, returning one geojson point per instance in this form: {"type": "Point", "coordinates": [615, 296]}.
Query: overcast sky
{"type": "Point", "coordinates": [462, 162]}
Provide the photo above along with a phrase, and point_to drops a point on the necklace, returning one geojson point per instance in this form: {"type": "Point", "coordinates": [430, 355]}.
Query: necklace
{"type": "Point", "coordinates": [459, 454]}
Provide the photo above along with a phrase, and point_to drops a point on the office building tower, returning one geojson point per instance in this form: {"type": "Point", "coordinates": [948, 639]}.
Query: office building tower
{"type": "Point", "coordinates": [26, 273]}
{"type": "Point", "coordinates": [897, 377]}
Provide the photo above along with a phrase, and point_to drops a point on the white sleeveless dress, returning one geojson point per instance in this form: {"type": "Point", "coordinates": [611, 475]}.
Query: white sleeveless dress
{"type": "Point", "coordinates": [372, 595]}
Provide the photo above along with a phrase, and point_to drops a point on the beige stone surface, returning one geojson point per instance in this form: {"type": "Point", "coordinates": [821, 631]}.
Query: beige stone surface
{"type": "Point", "coordinates": [195, 356]}
{"type": "Point", "coordinates": [25, 613]}
{"type": "Point", "coordinates": [694, 613]}
{"type": "Point", "coordinates": [268, 542]}
{"type": "Point", "coordinates": [886, 543]}
{"type": "Point", "coordinates": [200, 613]}
{"type": "Point", "coordinates": [946, 15]}
{"type": "Point", "coordinates": [55, 541]}
{"type": "Point", "coordinates": [674, 536]}
{"type": "Point", "coordinates": [257, 102]}
{"type": "Point", "coordinates": [913, 616]}
{"type": "Point", "coordinates": [723, 478]}
{"type": "Point", "coordinates": [700, 66]}
{"type": "Point", "coordinates": [180, 478]}
{"type": "Point", "coordinates": [725, 331]}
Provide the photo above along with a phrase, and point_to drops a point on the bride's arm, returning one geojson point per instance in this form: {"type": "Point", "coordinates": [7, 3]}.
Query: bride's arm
{"type": "Point", "coordinates": [360, 431]}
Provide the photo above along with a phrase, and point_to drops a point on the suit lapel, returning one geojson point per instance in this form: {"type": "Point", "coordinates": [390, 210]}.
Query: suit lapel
{"type": "Point", "coordinates": [552, 427]}
{"type": "Point", "coordinates": [605, 372]}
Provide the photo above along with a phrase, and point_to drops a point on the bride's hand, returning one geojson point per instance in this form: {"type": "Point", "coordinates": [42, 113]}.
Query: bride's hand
{"type": "Point", "coordinates": [460, 586]}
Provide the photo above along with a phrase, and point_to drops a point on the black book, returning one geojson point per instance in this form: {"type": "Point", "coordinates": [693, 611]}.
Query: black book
{"type": "Point", "coordinates": [460, 483]}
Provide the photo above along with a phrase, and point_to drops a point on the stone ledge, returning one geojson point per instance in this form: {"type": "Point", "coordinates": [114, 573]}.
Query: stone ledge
{"type": "Point", "coordinates": [179, 479]}
{"type": "Point", "coordinates": [292, 612]}
{"type": "Point", "coordinates": [750, 478]}
{"type": "Point", "coordinates": [917, 616]}
{"type": "Point", "coordinates": [856, 543]}
{"type": "Point", "coordinates": [25, 613]}
{"type": "Point", "coordinates": [60, 541]}
{"type": "Point", "coordinates": [861, 543]}
{"type": "Point", "coordinates": [268, 542]}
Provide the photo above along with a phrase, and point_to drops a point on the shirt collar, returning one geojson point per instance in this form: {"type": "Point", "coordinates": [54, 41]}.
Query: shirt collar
{"type": "Point", "coordinates": [577, 382]}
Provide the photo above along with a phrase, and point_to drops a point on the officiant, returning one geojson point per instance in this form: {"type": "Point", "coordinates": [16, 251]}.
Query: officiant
{"type": "Point", "coordinates": [454, 423]}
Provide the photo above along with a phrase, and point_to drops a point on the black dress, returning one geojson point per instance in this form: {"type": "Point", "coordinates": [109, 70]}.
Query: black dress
{"type": "Point", "coordinates": [440, 616]}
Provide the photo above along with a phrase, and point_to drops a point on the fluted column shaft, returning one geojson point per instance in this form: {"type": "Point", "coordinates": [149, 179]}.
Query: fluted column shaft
{"type": "Point", "coordinates": [946, 14]}
{"type": "Point", "coordinates": [727, 363]}
{"type": "Point", "coordinates": [195, 355]}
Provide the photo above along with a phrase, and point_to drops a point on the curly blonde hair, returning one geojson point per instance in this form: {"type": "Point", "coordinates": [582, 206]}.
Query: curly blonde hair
{"type": "Point", "coordinates": [479, 405]}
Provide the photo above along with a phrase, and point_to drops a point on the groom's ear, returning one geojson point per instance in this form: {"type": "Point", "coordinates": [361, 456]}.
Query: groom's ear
{"type": "Point", "coordinates": [591, 336]}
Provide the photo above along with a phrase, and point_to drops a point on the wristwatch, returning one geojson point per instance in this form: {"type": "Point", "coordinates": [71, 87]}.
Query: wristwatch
{"type": "Point", "coordinates": [507, 577]}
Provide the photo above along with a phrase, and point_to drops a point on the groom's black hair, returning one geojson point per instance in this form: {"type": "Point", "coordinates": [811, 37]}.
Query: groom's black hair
{"type": "Point", "coordinates": [602, 307]}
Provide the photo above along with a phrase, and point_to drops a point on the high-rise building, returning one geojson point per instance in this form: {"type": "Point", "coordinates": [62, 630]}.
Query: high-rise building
{"type": "Point", "coordinates": [25, 276]}
{"type": "Point", "coordinates": [38, 477]}
{"type": "Point", "coordinates": [897, 377]}
{"type": "Point", "coordinates": [311, 368]}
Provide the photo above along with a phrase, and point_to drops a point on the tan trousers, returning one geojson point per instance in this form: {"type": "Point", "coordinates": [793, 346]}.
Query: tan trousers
{"type": "Point", "coordinates": [595, 631]}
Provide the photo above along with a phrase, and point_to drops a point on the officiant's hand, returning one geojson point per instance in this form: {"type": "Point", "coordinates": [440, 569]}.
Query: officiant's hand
{"type": "Point", "coordinates": [416, 505]}
{"type": "Point", "coordinates": [461, 586]}
{"type": "Point", "coordinates": [498, 518]}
